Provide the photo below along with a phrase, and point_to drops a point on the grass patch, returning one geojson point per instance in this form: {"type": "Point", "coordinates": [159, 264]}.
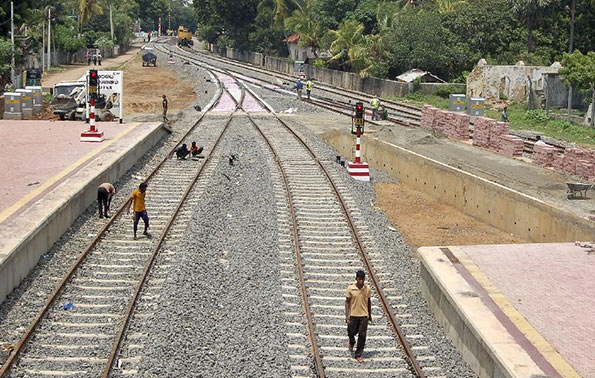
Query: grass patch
{"type": "Point", "coordinates": [520, 119]}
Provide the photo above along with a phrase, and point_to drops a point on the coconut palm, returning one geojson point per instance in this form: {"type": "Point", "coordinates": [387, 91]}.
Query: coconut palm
{"type": "Point", "coordinates": [530, 12]}
{"type": "Point", "coordinates": [304, 22]}
{"type": "Point", "coordinates": [447, 6]}
{"type": "Point", "coordinates": [346, 41]}
{"type": "Point", "coordinates": [89, 9]}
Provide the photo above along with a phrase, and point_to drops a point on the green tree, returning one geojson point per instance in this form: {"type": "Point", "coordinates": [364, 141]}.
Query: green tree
{"type": "Point", "coordinates": [579, 70]}
{"type": "Point", "coordinates": [530, 13]}
{"type": "Point", "coordinates": [347, 43]}
{"type": "Point", "coordinates": [304, 22]}
{"type": "Point", "coordinates": [89, 9]}
{"type": "Point", "coordinates": [5, 56]}
{"type": "Point", "coordinates": [66, 39]}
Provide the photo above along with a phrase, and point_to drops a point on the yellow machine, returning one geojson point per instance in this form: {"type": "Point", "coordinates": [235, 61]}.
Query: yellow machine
{"type": "Point", "coordinates": [184, 36]}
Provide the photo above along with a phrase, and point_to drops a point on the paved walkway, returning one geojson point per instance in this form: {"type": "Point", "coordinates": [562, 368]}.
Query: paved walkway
{"type": "Point", "coordinates": [553, 287]}
{"type": "Point", "coordinates": [35, 153]}
{"type": "Point", "coordinates": [75, 71]}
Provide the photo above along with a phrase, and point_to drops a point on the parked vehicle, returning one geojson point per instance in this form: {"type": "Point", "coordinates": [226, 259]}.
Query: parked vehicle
{"type": "Point", "coordinates": [149, 57]}
{"type": "Point", "coordinates": [184, 37]}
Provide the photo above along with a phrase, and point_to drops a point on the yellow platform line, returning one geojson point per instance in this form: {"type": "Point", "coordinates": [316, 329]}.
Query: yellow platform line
{"type": "Point", "coordinates": [34, 193]}
{"type": "Point", "coordinates": [541, 344]}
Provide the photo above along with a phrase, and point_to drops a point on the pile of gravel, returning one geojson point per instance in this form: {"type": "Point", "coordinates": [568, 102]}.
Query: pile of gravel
{"type": "Point", "coordinates": [220, 309]}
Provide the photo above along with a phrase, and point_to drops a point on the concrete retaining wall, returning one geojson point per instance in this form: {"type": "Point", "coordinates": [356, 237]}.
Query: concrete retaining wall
{"type": "Point", "coordinates": [501, 207]}
{"type": "Point", "coordinates": [22, 258]}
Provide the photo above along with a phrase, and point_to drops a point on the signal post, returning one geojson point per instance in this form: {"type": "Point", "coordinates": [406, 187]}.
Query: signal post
{"type": "Point", "coordinates": [357, 169]}
{"type": "Point", "coordinates": [93, 134]}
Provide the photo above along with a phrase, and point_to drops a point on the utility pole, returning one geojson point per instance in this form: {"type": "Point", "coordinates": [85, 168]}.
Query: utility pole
{"type": "Point", "coordinates": [111, 23]}
{"type": "Point", "coordinates": [570, 49]}
{"type": "Point", "coordinates": [169, 16]}
{"type": "Point", "coordinates": [159, 28]}
{"type": "Point", "coordinates": [49, 38]}
{"type": "Point", "coordinates": [12, 66]}
{"type": "Point", "coordinates": [43, 46]}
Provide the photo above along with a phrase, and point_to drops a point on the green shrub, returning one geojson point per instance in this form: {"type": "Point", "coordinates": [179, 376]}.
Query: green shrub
{"type": "Point", "coordinates": [536, 115]}
{"type": "Point", "coordinates": [416, 84]}
{"type": "Point", "coordinates": [104, 42]}
{"type": "Point", "coordinates": [445, 91]}
{"type": "Point", "coordinates": [320, 63]}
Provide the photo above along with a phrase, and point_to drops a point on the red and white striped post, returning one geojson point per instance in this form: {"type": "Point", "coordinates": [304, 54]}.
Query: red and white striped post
{"type": "Point", "coordinates": [92, 135]}
{"type": "Point", "coordinates": [357, 169]}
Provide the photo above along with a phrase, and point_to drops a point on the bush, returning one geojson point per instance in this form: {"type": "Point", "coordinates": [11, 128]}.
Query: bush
{"type": "Point", "coordinates": [104, 42]}
{"type": "Point", "coordinates": [320, 63]}
{"type": "Point", "coordinates": [445, 91]}
{"type": "Point", "coordinates": [536, 115]}
{"type": "Point", "coordinates": [416, 84]}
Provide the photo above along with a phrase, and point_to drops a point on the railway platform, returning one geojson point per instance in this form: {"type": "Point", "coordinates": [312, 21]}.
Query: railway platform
{"type": "Point", "coordinates": [48, 178]}
{"type": "Point", "coordinates": [521, 310]}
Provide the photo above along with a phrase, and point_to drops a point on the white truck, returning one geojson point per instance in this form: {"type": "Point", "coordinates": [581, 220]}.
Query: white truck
{"type": "Point", "coordinates": [70, 101]}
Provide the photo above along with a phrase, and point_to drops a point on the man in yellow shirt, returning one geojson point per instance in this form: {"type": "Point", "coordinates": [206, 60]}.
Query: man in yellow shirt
{"type": "Point", "coordinates": [358, 312]}
{"type": "Point", "coordinates": [140, 211]}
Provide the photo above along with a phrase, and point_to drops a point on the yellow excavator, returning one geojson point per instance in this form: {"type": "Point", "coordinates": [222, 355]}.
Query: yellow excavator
{"type": "Point", "coordinates": [184, 36]}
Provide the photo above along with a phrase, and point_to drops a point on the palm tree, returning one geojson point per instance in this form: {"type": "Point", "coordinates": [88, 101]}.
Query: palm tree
{"type": "Point", "coordinates": [447, 6]}
{"type": "Point", "coordinates": [89, 9]}
{"type": "Point", "coordinates": [529, 12]}
{"type": "Point", "coordinates": [347, 39]}
{"type": "Point", "coordinates": [304, 22]}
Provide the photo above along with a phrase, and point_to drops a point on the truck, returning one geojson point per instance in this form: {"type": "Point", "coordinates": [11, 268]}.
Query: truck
{"type": "Point", "coordinates": [184, 36]}
{"type": "Point", "coordinates": [70, 101]}
{"type": "Point", "coordinates": [149, 57]}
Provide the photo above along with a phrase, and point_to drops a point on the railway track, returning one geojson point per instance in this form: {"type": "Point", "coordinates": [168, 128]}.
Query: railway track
{"type": "Point", "coordinates": [399, 113]}
{"type": "Point", "coordinates": [82, 325]}
{"type": "Point", "coordinates": [323, 242]}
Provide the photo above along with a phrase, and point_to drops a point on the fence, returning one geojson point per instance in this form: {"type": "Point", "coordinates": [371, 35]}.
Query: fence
{"type": "Point", "coordinates": [347, 80]}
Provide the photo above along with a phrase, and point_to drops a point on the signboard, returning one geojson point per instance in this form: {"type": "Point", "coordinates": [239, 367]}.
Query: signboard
{"type": "Point", "coordinates": [111, 84]}
{"type": "Point", "coordinates": [359, 121]}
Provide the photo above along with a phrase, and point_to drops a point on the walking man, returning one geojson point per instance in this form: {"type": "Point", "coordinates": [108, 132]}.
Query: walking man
{"type": "Point", "coordinates": [358, 312]}
{"type": "Point", "coordinates": [309, 86]}
{"type": "Point", "coordinates": [299, 86]}
{"type": "Point", "coordinates": [140, 211]}
{"type": "Point", "coordinates": [165, 109]}
{"type": "Point", "coordinates": [105, 192]}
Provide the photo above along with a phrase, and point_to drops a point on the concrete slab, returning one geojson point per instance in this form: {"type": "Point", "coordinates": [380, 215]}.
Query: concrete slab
{"type": "Point", "coordinates": [68, 173]}
{"type": "Point", "coordinates": [517, 310]}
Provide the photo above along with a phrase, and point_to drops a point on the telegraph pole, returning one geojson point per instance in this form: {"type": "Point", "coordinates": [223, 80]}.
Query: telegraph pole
{"type": "Point", "coordinates": [12, 66]}
{"type": "Point", "coordinates": [49, 38]}
{"type": "Point", "coordinates": [111, 23]}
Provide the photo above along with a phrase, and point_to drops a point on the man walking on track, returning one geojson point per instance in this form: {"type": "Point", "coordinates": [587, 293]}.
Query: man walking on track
{"type": "Point", "coordinates": [105, 192]}
{"type": "Point", "coordinates": [309, 86]}
{"type": "Point", "coordinates": [165, 109]}
{"type": "Point", "coordinates": [140, 211]}
{"type": "Point", "coordinates": [358, 312]}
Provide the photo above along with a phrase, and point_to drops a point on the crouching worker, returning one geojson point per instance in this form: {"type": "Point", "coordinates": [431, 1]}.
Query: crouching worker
{"type": "Point", "coordinates": [195, 150]}
{"type": "Point", "coordinates": [105, 192]}
{"type": "Point", "coordinates": [182, 152]}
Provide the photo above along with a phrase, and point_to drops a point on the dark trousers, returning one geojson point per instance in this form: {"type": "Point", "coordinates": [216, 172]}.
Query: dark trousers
{"type": "Point", "coordinates": [358, 325]}
{"type": "Point", "coordinates": [104, 200]}
{"type": "Point", "coordinates": [197, 152]}
{"type": "Point", "coordinates": [137, 216]}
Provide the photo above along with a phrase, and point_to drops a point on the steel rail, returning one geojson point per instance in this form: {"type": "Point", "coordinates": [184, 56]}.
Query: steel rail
{"type": "Point", "coordinates": [60, 287]}
{"type": "Point", "coordinates": [149, 264]}
{"type": "Point", "coordinates": [376, 282]}
{"type": "Point", "coordinates": [327, 87]}
{"type": "Point", "coordinates": [334, 103]}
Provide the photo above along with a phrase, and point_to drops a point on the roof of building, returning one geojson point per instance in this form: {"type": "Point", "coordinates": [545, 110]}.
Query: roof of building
{"type": "Point", "coordinates": [415, 73]}
{"type": "Point", "coordinates": [292, 38]}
